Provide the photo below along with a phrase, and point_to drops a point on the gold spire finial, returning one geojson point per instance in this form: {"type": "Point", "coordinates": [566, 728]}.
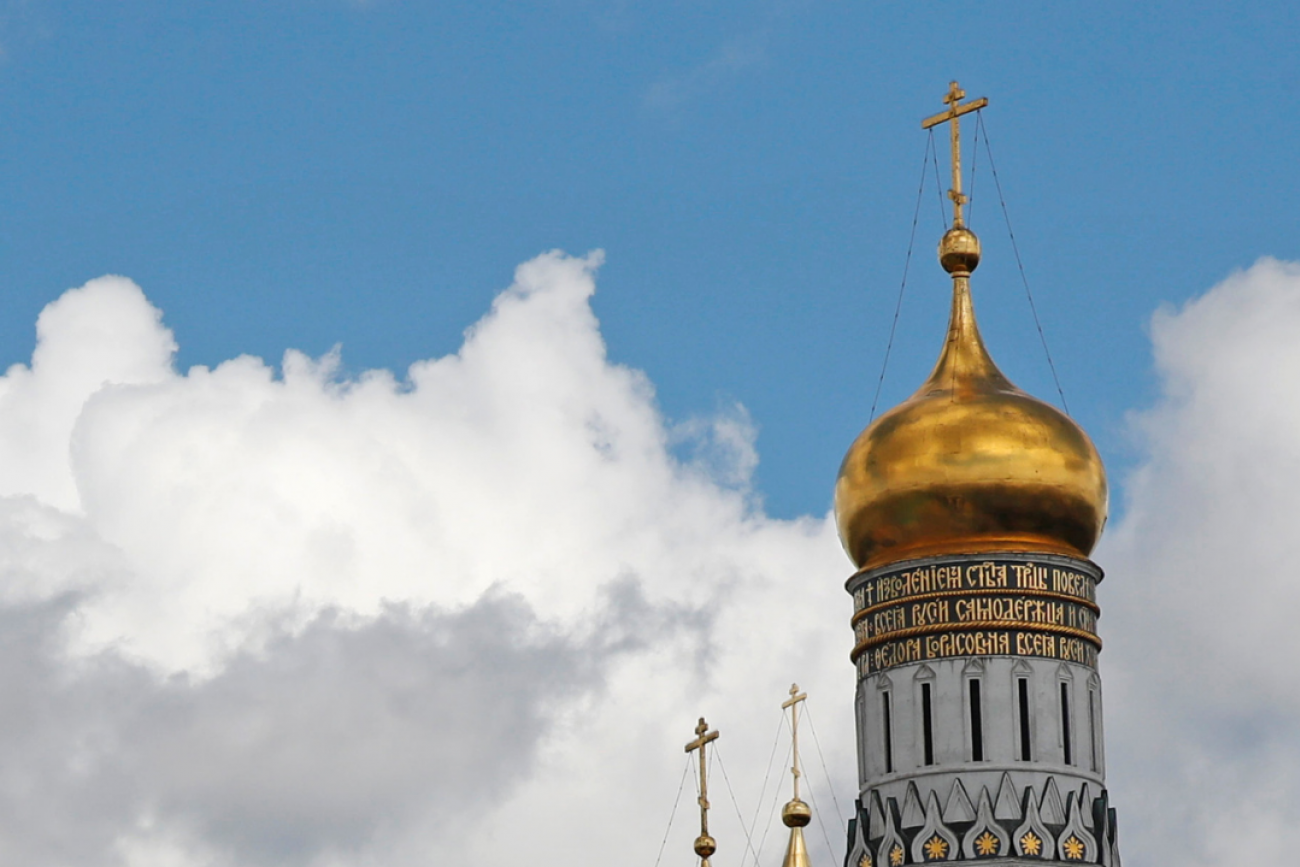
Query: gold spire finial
{"type": "Point", "coordinates": [796, 814]}
{"type": "Point", "coordinates": [955, 110]}
{"type": "Point", "coordinates": [704, 844]}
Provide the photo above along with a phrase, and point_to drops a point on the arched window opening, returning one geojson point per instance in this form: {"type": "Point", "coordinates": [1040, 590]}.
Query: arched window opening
{"type": "Point", "coordinates": [1065, 723]}
{"type": "Point", "coordinates": [927, 724]}
{"type": "Point", "coordinates": [1022, 706]}
{"type": "Point", "coordinates": [889, 732]}
{"type": "Point", "coordinates": [1092, 727]}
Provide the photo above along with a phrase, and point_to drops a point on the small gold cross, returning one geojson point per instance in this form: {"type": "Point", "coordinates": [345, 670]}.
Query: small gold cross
{"type": "Point", "coordinates": [704, 844]}
{"type": "Point", "coordinates": [955, 110]}
{"type": "Point", "coordinates": [795, 697]}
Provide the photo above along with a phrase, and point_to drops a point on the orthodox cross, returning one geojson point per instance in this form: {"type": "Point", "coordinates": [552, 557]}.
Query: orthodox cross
{"type": "Point", "coordinates": [793, 703]}
{"type": "Point", "coordinates": [955, 110]}
{"type": "Point", "coordinates": [704, 844]}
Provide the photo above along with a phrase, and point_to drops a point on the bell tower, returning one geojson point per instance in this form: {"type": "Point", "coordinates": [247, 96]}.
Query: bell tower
{"type": "Point", "coordinates": [969, 511]}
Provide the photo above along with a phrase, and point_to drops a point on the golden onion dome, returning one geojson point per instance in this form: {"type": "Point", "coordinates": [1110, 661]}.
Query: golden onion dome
{"type": "Point", "coordinates": [969, 463]}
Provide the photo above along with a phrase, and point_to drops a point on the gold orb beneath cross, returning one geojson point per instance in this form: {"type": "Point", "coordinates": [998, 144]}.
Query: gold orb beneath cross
{"type": "Point", "coordinates": [705, 845]}
{"type": "Point", "coordinates": [959, 251]}
{"type": "Point", "coordinates": [796, 814]}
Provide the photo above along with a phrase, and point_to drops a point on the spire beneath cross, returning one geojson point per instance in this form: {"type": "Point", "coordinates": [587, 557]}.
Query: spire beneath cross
{"type": "Point", "coordinates": [955, 110]}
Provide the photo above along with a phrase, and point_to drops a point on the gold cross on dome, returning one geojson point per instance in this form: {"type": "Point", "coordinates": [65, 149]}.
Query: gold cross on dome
{"type": "Point", "coordinates": [795, 697]}
{"type": "Point", "coordinates": [955, 110]}
{"type": "Point", "coordinates": [704, 843]}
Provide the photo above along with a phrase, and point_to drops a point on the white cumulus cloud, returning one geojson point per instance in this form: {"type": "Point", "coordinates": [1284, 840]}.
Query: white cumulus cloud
{"type": "Point", "coordinates": [1204, 588]}
{"type": "Point", "coordinates": [263, 616]}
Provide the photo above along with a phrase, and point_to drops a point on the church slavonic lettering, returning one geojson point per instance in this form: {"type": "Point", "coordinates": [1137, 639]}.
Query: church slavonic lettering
{"type": "Point", "coordinates": [967, 644]}
{"type": "Point", "coordinates": [1035, 644]}
{"type": "Point", "coordinates": [991, 642]}
{"type": "Point", "coordinates": [889, 620]}
{"type": "Point", "coordinates": [1025, 610]}
{"type": "Point", "coordinates": [1073, 583]}
{"type": "Point", "coordinates": [1082, 618]}
{"type": "Point", "coordinates": [1076, 650]}
{"type": "Point", "coordinates": [986, 575]}
{"type": "Point", "coordinates": [989, 575]}
{"type": "Point", "coordinates": [993, 607]}
{"type": "Point", "coordinates": [1009, 609]}
{"type": "Point", "coordinates": [926, 579]}
{"type": "Point", "coordinates": [928, 613]}
{"type": "Point", "coordinates": [1030, 576]}
{"type": "Point", "coordinates": [897, 653]}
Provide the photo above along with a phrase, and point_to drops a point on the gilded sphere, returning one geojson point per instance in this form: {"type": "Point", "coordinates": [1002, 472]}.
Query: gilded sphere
{"type": "Point", "coordinates": [969, 464]}
{"type": "Point", "coordinates": [796, 814]}
{"type": "Point", "coordinates": [959, 250]}
{"type": "Point", "coordinates": [705, 846]}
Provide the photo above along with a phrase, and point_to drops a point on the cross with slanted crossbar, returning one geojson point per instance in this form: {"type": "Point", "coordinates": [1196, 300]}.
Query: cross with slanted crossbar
{"type": "Point", "coordinates": [955, 110]}
{"type": "Point", "coordinates": [702, 737]}
{"type": "Point", "coordinates": [793, 702]}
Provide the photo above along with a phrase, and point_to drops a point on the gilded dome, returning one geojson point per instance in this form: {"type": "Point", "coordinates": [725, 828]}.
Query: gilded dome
{"type": "Point", "coordinates": [969, 463]}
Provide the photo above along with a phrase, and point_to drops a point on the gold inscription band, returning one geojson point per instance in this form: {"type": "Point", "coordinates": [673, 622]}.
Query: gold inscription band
{"type": "Point", "coordinates": [1000, 625]}
{"type": "Point", "coordinates": [953, 594]}
{"type": "Point", "coordinates": [964, 606]}
{"type": "Point", "coordinates": [1016, 576]}
{"type": "Point", "coordinates": [994, 642]}
{"type": "Point", "coordinates": [963, 611]}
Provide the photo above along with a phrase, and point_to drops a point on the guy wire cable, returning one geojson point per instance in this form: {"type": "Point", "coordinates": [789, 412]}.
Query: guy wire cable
{"type": "Point", "coordinates": [974, 156]}
{"type": "Point", "coordinates": [758, 805]}
{"type": "Point", "coordinates": [827, 774]}
{"type": "Point", "coordinates": [907, 263]}
{"type": "Point", "coordinates": [1016, 250]}
{"type": "Point", "coordinates": [938, 183]}
{"type": "Point", "coordinates": [748, 842]}
{"type": "Point", "coordinates": [685, 770]}
{"type": "Point", "coordinates": [776, 797]}
{"type": "Point", "coordinates": [812, 796]}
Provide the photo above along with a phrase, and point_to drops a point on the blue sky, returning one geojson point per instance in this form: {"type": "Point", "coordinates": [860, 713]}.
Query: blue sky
{"type": "Point", "coordinates": [301, 174]}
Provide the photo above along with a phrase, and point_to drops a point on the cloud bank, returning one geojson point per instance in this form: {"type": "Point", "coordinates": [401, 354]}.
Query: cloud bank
{"type": "Point", "coordinates": [253, 616]}
{"type": "Point", "coordinates": [1202, 607]}
{"type": "Point", "coordinates": [286, 617]}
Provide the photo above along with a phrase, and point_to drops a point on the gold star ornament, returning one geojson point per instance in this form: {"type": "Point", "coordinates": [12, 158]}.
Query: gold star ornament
{"type": "Point", "coordinates": [986, 844]}
{"type": "Point", "coordinates": [1030, 844]}
{"type": "Point", "coordinates": [1074, 848]}
{"type": "Point", "coordinates": [896, 856]}
{"type": "Point", "coordinates": [936, 848]}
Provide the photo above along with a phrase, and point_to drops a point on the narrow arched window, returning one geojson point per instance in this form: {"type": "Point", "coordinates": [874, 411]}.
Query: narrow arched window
{"type": "Point", "coordinates": [927, 724]}
{"type": "Point", "coordinates": [1092, 727]}
{"type": "Point", "coordinates": [1022, 708]}
{"type": "Point", "coordinates": [889, 732]}
{"type": "Point", "coordinates": [1065, 723]}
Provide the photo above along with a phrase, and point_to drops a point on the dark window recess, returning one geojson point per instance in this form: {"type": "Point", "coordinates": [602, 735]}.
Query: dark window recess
{"type": "Point", "coordinates": [976, 724]}
{"type": "Point", "coordinates": [1065, 722]}
{"type": "Point", "coordinates": [1022, 690]}
{"type": "Point", "coordinates": [927, 724]}
{"type": "Point", "coordinates": [889, 733]}
{"type": "Point", "coordinates": [1092, 725]}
